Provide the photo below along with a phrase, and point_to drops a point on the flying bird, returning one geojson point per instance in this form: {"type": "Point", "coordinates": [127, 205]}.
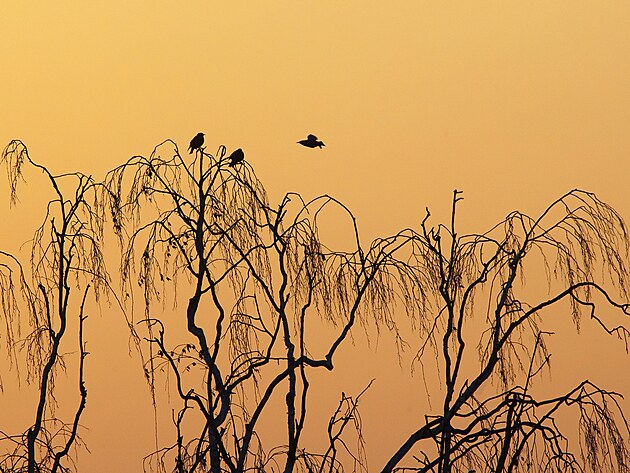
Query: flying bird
{"type": "Point", "coordinates": [195, 143]}
{"type": "Point", "coordinates": [311, 142]}
{"type": "Point", "coordinates": [236, 157]}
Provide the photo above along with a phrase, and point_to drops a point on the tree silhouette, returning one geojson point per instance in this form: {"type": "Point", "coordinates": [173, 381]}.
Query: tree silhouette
{"type": "Point", "coordinates": [254, 275]}
{"type": "Point", "coordinates": [491, 419]}
{"type": "Point", "coordinates": [236, 304]}
{"type": "Point", "coordinates": [65, 262]}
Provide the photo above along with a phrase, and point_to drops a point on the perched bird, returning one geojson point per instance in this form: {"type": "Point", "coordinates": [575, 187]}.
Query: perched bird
{"type": "Point", "coordinates": [236, 157]}
{"type": "Point", "coordinates": [311, 142]}
{"type": "Point", "coordinates": [195, 143]}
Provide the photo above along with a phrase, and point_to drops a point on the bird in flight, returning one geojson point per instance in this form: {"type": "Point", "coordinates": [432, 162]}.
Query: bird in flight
{"type": "Point", "coordinates": [311, 142]}
{"type": "Point", "coordinates": [236, 157]}
{"type": "Point", "coordinates": [195, 143]}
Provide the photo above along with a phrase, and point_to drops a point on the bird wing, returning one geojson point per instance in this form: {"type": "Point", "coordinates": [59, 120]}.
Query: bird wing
{"type": "Point", "coordinates": [312, 138]}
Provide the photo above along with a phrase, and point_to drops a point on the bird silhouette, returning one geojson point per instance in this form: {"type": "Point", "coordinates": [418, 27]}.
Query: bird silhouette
{"type": "Point", "coordinates": [195, 143]}
{"type": "Point", "coordinates": [236, 157]}
{"type": "Point", "coordinates": [311, 142]}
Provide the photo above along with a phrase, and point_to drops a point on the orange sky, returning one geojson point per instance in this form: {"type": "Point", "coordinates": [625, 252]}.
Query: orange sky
{"type": "Point", "coordinates": [512, 102]}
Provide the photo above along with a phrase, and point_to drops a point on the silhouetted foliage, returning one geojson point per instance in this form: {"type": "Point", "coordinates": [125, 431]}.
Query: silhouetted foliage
{"type": "Point", "coordinates": [65, 261]}
{"type": "Point", "coordinates": [490, 419]}
{"type": "Point", "coordinates": [255, 275]}
{"type": "Point", "coordinates": [234, 303]}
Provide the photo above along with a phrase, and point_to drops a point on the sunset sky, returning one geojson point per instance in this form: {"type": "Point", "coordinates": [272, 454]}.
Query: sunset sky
{"type": "Point", "coordinates": [513, 103]}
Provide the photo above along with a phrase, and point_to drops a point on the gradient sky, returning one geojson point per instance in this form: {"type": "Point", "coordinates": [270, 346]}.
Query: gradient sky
{"type": "Point", "coordinates": [512, 102]}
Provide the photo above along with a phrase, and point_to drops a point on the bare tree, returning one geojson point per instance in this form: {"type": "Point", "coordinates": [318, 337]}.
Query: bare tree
{"type": "Point", "coordinates": [243, 301]}
{"type": "Point", "coordinates": [46, 299]}
{"type": "Point", "coordinates": [491, 419]}
{"type": "Point", "coordinates": [256, 276]}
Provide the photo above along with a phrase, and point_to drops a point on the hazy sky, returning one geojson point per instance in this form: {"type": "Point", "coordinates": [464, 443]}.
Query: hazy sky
{"type": "Point", "coordinates": [512, 102]}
